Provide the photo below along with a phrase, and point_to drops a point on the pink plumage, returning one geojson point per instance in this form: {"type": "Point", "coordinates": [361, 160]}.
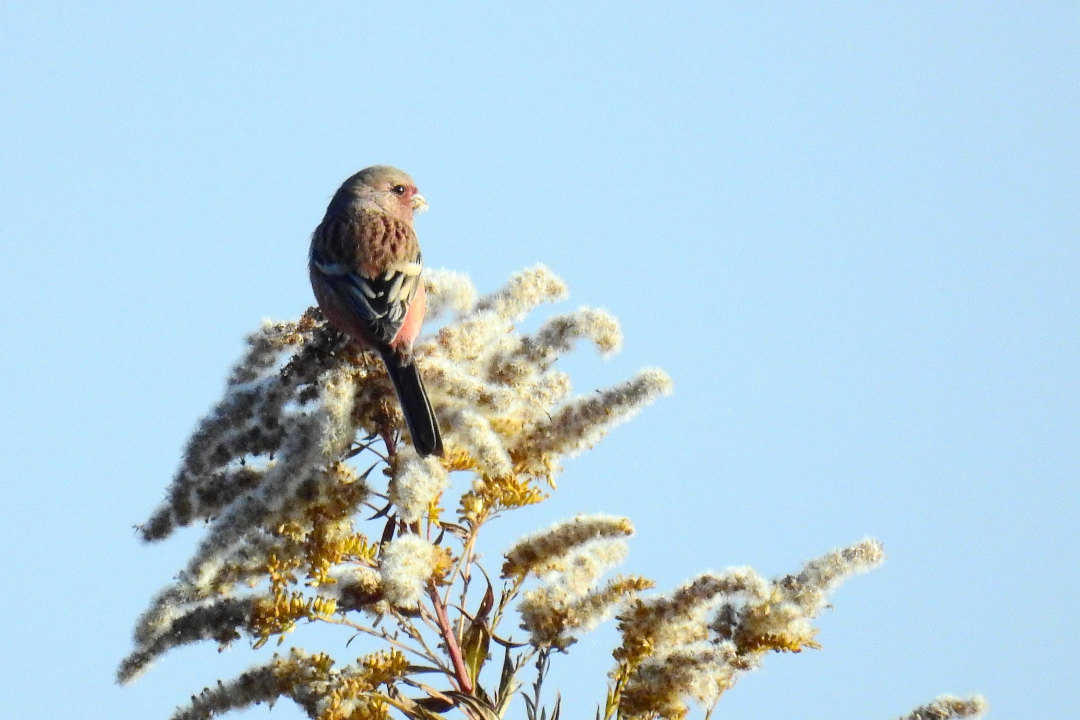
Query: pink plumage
{"type": "Point", "coordinates": [365, 266]}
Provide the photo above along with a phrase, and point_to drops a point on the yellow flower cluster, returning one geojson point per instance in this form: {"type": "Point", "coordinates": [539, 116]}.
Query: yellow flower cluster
{"type": "Point", "coordinates": [491, 495]}
{"type": "Point", "coordinates": [278, 613]}
{"type": "Point", "coordinates": [352, 694]}
{"type": "Point", "coordinates": [272, 472]}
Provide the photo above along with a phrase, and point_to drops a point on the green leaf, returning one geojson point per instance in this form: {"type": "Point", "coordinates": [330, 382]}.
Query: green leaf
{"type": "Point", "coordinates": [474, 648]}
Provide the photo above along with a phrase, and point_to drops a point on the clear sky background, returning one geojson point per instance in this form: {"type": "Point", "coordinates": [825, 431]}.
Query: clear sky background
{"type": "Point", "coordinates": [848, 231]}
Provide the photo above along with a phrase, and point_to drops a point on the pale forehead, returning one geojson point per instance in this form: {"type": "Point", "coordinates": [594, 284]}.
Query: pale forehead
{"type": "Point", "coordinates": [379, 174]}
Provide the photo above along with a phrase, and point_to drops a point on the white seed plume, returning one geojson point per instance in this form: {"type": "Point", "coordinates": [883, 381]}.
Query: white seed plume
{"type": "Point", "coordinates": [546, 550]}
{"type": "Point", "coordinates": [275, 457]}
{"type": "Point", "coordinates": [675, 639]}
{"type": "Point", "coordinates": [405, 565]}
{"type": "Point", "coordinates": [948, 707]}
{"type": "Point", "coordinates": [447, 290]}
{"type": "Point", "coordinates": [562, 603]}
{"type": "Point", "coordinates": [702, 671]}
{"type": "Point", "coordinates": [416, 483]}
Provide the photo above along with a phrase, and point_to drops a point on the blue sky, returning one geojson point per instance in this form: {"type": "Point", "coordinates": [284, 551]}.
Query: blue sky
{"type": "Point", "coordinates": [848, 231]}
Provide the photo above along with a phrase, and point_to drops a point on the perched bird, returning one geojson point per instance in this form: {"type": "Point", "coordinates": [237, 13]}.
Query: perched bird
{"type": "Point", "coordinates": [365, 270]}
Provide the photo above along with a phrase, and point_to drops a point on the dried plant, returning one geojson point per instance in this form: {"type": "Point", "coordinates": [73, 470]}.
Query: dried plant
{"type": "Point", "coordinates": [308, 440]}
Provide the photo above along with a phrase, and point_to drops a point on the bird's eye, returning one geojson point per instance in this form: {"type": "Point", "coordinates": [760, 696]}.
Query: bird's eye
{"type": "Point", "coordinates": [398, 189]}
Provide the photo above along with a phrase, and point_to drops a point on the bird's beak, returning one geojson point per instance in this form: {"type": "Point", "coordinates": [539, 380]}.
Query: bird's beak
{"type": "Point", "coordinates": [419, 203]}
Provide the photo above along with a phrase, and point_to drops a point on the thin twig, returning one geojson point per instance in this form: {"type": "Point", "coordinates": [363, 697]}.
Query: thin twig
{"type": "Point", "coordinates": [424, 653]}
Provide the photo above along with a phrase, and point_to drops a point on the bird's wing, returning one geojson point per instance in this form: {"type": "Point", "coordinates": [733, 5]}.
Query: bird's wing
{"type": "Point", "coordinates": [380, 302]}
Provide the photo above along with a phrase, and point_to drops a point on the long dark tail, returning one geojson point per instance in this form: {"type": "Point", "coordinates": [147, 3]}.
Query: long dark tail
{"type": "Point", "coordinates": [415, 405]}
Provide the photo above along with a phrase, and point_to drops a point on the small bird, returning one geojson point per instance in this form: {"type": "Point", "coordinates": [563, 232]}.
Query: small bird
{"type": "Point", "coordinates": [365, 268]}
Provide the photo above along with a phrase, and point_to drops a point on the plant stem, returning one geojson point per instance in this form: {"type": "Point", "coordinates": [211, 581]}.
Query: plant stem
{"type": "Point", "coordinates": [450, 638]}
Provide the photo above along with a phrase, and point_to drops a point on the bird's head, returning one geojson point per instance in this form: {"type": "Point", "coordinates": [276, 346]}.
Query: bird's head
{"type": "Point", "coordinates": [383, 187]}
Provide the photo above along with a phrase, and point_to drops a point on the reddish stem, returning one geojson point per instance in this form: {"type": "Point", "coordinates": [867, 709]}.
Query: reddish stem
{"type": "Point", "coordinates": [452, 648]}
